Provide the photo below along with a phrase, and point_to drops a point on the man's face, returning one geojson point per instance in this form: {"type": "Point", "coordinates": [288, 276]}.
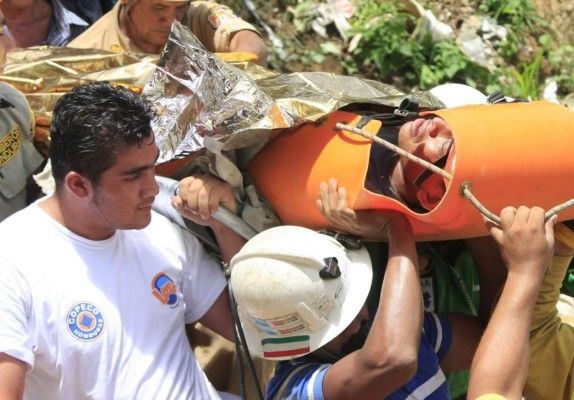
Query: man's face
{"type": "Point", "coordinates": [125, 193]}
{"type": "Point", "coordinates": [343, 340]}
{"type": "Point", "coordinates": [429, 139]}
{"type": "Point", "coordinates": [153, 19]}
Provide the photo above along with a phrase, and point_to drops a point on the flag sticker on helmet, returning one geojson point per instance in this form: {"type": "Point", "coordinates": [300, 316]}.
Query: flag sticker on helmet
{"type": "Point", "coordinates": [286, 346]}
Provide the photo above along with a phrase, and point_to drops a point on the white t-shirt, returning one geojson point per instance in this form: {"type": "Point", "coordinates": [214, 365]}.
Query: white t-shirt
{"type": "Point", "coordinates": [104, 319]}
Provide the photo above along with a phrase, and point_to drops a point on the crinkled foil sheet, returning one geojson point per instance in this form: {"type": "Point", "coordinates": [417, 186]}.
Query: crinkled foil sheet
{"type": "Point", "coordinates": [197, 95]}
{"type": "Point", "coordinates": [45, 73]}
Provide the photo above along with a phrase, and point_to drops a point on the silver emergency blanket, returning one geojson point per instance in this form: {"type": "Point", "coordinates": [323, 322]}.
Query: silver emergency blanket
{"type": "Point", "coordinates": [201, 99]}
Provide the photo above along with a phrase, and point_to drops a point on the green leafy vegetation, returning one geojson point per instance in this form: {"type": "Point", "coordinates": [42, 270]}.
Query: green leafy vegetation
{"type": "Point", "coordinates": [403, 58]}
{"type": "Point", "coordinates": [521, 19]}
{"type": "Point", "coordinates": [388, 44]}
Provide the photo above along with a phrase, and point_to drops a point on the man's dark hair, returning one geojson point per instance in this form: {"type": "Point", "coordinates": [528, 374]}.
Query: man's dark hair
{"type": "Point", "coordinates": [92, 124]}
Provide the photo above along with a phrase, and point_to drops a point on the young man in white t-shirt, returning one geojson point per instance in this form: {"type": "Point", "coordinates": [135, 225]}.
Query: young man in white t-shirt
{"type": "Point", "coordinates": [96, 288]}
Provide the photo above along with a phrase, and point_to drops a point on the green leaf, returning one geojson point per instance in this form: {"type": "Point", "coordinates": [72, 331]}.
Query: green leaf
{"type": "Point", "coordinates": [330, 48]}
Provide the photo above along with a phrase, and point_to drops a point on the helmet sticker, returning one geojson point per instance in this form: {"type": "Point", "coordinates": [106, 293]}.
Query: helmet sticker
{"type": "Point", "coordinates": [324, 306]}
{"type": "Point", "coordinates": [219, 16]}
{"type": "Point", "coordinates": [285, 325]}
{"type": "Point", "coordinates": [285, 347]}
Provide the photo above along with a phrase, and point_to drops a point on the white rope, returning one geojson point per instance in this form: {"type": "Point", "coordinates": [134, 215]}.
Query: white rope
{"type": "Point", "coordinates": [396, 149]}
{"type": "Point", "coordinates": [465, 188]}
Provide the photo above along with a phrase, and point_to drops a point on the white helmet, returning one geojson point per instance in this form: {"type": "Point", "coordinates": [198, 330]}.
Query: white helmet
{"type": "Point", "coordinates": [457, 94]}
{"type": "Point", "coordinates": [296, 290]}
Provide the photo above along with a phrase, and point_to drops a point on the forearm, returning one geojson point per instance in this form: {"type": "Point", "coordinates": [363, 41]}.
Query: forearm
{"type": "Point", "coordinates": [229, 242]}
{"type": "Point", "coordinates": [12, 377]}
{"type": "Point", "coordinates": [491, 272]}
{"type": "Point", "coordinates": [395, 334]}
{"type": "Point", "coordinates": [388, 358]}
{"type": "Point", "coordinates": [400, 314]}
{"type": "Point", "coordinates": [501, 365]}
{"type": "Point", "coordinates": [251, 42]}
{"type": "Point", "coordinates": [219, 319]}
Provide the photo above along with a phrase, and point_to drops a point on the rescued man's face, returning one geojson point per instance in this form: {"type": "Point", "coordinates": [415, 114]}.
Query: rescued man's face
{"type": "Point", "coordinates": [428, 139]}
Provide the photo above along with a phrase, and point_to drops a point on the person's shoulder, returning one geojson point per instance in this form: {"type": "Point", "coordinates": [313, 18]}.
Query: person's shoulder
{"type": "Point", "coordinates": [168, 231]}
{"type": "Point", "coordinates": [293, 376]}
{"type": "Point", "coordinates": [91, 10]}
{"type": "Point", "coordinates": [19, 225]}
{"type": "Point", "coordinates": [9, 89]}
{"type": "Point", "coordinates": [437, 330]}
{"type": "Point", "coordinates": [13, 95]}
{"type": "Point", "coordinates": [93, 36]}
{"type": "Point", "coordinates": [211, 8]}
{"type": "Point", "coordinates": [287, 369]}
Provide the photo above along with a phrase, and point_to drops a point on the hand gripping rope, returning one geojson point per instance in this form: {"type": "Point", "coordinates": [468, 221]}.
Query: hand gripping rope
{"type": "Point", "coordinates": [466, 187]}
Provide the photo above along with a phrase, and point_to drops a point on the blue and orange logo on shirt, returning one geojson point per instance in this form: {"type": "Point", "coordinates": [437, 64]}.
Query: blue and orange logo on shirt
{"type": "Point", "coordinates": [165, 290]}
{"type": "Point", "coordinates": [85, 321]}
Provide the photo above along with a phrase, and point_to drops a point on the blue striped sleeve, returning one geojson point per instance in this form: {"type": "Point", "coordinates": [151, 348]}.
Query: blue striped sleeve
{"type": "Point", "coordinates": [437, 329]}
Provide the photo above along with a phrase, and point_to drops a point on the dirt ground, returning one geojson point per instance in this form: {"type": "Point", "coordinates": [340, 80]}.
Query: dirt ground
{"type": "Point", "coordinates": [297, 47]}
{"type": "Point", "coordinates": [558, 13]}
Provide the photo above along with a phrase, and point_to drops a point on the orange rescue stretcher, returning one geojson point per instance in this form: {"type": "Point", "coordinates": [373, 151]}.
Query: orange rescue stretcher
{"type": "Point", "coordinates": [509, 154]}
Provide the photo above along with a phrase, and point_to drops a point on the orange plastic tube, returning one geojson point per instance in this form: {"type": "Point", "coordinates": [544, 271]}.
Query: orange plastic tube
{"type": "Point", "coordinates": [511, 154]}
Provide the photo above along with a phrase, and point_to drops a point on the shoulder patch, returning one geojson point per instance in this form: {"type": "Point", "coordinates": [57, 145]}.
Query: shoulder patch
{"type": "Point", "coordinates": [220, 15]}
{"type": "Point", "coordinates": [10, 145]}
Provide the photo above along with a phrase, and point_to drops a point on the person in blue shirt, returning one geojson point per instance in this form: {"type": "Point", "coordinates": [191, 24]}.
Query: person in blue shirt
{"type": "Point", "coordinates": [401, 352]}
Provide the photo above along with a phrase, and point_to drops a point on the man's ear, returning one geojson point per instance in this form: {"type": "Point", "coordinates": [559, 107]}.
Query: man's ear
{"type": "Point", "coordinates": [431, 192]}
{"type": "Point", "coordinates": [77, 184]}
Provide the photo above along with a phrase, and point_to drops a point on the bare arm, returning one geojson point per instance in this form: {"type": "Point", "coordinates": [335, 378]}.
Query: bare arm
{"type": "Point", "coordinates": [251, 42]}
{"type": "Point", "coordinates": [12, 377]}
{"type": "Point", "coordinates": [388, 358]}
{"type": "Point", "coordinates": [466, 333]}
{"type": "Point", "coordinates": [501, 362]}
{"type": "Point", "coordinates": [199, 196]}
{"type": "Point", "coordinates": [491, 272]}
{"type": "Point", "coordinates": [218, 318]}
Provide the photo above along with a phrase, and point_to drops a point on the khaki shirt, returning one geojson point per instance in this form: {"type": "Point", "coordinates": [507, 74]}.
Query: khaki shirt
{"type": "Point", "coordinates": [551, 371]}
{"type": "Point", "coordinates": [212, 23]}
